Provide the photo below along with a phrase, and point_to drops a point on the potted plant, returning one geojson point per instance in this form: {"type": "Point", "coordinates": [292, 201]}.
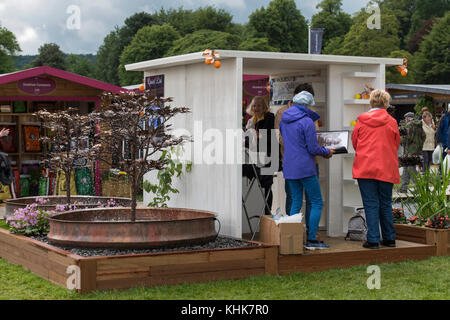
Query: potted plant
{"type": "Point", "coordinates": [428, 207]}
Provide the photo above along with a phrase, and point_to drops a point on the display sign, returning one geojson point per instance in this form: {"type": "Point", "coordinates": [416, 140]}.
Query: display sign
{"type": "Point", "coordinates": [37, 85]}
{"type": "Point", "coordinates": [155, 84]}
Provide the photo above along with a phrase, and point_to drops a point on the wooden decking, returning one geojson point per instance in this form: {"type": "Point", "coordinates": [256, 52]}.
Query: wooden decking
{"type": "Point", "coordinates": [345, 253]}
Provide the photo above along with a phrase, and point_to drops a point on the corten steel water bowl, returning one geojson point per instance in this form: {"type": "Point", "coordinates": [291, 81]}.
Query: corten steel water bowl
{"type": "Point", "coordinates": [53, 201]}
{"type": "Point", "coordinates": [112, 228]}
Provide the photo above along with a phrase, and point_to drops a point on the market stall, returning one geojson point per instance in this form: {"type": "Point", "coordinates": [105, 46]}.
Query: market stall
{"type": "Point", "coordinates": [215, 96]}
{"type": "Point", "coordinates": [22, 94]}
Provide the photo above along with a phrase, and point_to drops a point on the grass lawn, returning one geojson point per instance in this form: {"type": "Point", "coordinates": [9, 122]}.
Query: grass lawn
{"type": "Point", "coordinates": [427, 279]}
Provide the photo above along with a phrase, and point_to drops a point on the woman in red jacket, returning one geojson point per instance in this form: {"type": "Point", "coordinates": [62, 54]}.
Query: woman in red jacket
{"type": "Point", "coordinates": [376, 140]}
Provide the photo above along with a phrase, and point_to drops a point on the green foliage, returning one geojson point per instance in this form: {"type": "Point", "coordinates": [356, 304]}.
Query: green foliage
{"type": "Point", "coordinates": [393, 75]}
{"type": "Point", "coordinates": [335, 22]}
{"type": "Point", "coordinates": [429, 197]}
{"type": "Point", "coordinates": [282, 24]}
{"type": "Point", "coordinates": [50, 55]}
{"type": "Point", "coordinates": [204, 39]}
{"type": "Point", "coordinates": [403, 10]}
{"type": "Point", "coordinates": [431, 62]}
{"type": "Point", "coordinates": [362, 41]}
{"type": "Point", "coordinates": [427, 9]}
{"type": "Point", "coordinates": [164, 188]}
{"type": "Point", "coordinates": [257, 44]}
{"type": "Point", "coordinates": [148, 43]}
{"type": "Point", "coordinates": [108, 58]}
{"type": "Point", "coordinates": [8, 47]}
{"type": "Point", "coordinates": [424, 101]}
{"type": "Point", "coordinates": [80, 65]}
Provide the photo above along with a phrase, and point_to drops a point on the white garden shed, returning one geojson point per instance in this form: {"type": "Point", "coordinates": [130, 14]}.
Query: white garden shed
{"type": "Point", "coordinates": [215, 98]}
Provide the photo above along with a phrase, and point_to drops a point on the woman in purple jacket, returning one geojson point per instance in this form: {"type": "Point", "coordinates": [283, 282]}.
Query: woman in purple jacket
{"type": "Point", "coordinates": [299, 168]}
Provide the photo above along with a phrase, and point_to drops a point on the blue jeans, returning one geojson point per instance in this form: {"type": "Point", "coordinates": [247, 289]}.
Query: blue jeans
{"type": "Point", "coordinates": [289, 202]}
{"type": "Point", "coordinates": [313, 196]}
{"type": "Point", "coordinates": [377, 199]}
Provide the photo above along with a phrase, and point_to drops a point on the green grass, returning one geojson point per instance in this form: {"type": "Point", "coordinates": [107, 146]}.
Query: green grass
{"type": "Point", "coordinates": [426, 279]}
{"type": "Point", "coordinates": [3, 225]}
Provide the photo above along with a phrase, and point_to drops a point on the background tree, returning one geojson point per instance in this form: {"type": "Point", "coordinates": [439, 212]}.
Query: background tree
{"type": "Point", "coordinates": [431, 62]}
{"type": "Point", "coordinates": [417, 38]}
{"type": "Point", "coordinates": [362, 41]}
{"type": "Point", "coordinates": [8, 47]}
{"type": "Point", "coordinates": [149, 43]}
{"type": "Point", "coordinates": [50, 55]}
{"type": "Point", "coordinates": [403, 10]}
{"type": "Point", "coordinates": [257, 44]}
{"type": "Point", "coordinates": [108, 55]}
{"type": "Point", "coordinates": [425, 10]}
{"type": "Point", "coordinates": [203, 39]}
{"type": "Point", "coordinates": [126, 117]}
{"type": "Point", "coordinates": [108, 59]}
{"type": "Point", "coordinates": [392, 74]}
{"type": "Point", "coordinates": [331, 17]}
{"type": "Point", "coordinates": [67, 132]}
{"type": "Point", "coordinates": [80, 65]}
{"type": "Point", "coordinates": [282, 24]}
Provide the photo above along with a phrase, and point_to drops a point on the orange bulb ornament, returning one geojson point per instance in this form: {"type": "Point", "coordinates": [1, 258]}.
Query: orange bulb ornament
{"type": "Point", "coordinates": [217, 64]}
{"type": "Point", "coordinates": [141, 87]}
{"type": "Point", "coordinates": [404, 72]}
{"type": "Point", "coordinates": [209, 61]}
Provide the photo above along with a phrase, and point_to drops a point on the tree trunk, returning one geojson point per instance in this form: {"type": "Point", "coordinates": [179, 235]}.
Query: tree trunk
{"type": "Point", "coordinates": [133, 198]}
{"type": "Point", "coordinates": [133, 181]}
{"type": "Point", "coordinates": [68, 186]}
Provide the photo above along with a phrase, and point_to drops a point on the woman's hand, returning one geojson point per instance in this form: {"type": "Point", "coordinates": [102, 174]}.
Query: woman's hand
{"type": "Point", "coordinates": [332, 151]}
{"type": "Point", "coordinates": [4, 132]}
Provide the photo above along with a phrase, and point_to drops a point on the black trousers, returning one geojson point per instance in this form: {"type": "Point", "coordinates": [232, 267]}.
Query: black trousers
{"type": "Point", "coordinates": [265, 180]}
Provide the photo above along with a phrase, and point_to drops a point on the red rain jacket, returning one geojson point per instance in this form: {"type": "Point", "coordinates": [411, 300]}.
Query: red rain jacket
{"type": "Point", "coordinates": [376, 140]}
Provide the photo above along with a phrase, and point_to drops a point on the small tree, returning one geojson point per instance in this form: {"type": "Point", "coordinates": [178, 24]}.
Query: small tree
{"type": "Point", "coordinates": [67, 134]}
{"type": "Point", "coordinates": [139, 121]}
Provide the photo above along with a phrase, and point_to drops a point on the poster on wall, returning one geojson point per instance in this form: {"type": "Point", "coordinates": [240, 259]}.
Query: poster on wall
{"type": "Point", "coordinates": [155, 84]}
{"type": "Point", "coordinates": [282, 88]}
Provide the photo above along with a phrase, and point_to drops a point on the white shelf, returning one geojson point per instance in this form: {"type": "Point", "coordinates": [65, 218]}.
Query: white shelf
{"type": "Point", "coordinates": [357, 101]}
{"type": "Point", "coordinates": [352, 207]}
{"type": "Point", "coordinates": [350, 181]}
{"type": "Point", "coordinates": [349, 155]}
{"type": "Point", "coordinates": [360, 75]}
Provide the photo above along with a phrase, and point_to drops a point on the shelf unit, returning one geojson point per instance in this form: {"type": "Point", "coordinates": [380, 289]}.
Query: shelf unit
{"type": "Point", "coordinates": [352, 83]}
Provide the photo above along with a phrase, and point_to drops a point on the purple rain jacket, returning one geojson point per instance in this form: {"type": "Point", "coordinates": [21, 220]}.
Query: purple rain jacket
{"type": "Point", "coordinates": [300, 142]}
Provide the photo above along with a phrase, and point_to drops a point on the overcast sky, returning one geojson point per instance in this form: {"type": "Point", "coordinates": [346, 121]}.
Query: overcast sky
{"type": "Point", "coordinates": [35, 22]}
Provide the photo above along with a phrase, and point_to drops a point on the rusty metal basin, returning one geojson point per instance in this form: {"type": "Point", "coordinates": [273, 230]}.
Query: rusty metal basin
{"type": "Point", "coordinates": [153, 228]}
{"type": "Point", "coordinates": [53, 201]}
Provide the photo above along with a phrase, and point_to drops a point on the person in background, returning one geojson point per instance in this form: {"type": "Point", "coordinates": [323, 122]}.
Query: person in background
{"type": "Point", "coordinates": [412, 142]}
{"type": "Point", "coordinates": [376, 140]}
{"type": "Point", "coordinates": [299, 168]}
{"type": "Point", "coordinates": [262, 121]}
{"type": "Point", "coordinates": [301, 87]}
{"type": "Point", "coordinates": [429, 128]}
{"type": "Point", "coordinates": [442, 131]}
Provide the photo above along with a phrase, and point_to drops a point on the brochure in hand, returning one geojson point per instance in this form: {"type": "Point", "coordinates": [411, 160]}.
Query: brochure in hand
{"type": "Point", "coordinates": [337, 140]}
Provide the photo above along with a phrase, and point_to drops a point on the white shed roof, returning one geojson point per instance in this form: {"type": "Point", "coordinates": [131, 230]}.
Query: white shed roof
{"type": "Point", "coordinates": [253, 58]}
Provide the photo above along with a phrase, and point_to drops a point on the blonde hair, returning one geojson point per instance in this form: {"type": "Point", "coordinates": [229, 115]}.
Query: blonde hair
{"type": "Point", "coordinates": [379, 99]}
{"type": "Point", "coordinates": [254, 100]}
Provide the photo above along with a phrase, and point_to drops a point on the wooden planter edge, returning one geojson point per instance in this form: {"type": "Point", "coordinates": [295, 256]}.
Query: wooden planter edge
{"type": "Point", "coordinates": [127, 271]}
{"type": "Point", "coordinates": [437, 237]}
